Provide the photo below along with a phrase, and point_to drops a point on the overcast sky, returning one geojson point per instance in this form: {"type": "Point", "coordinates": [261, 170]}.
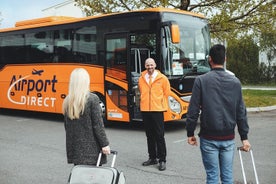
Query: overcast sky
{"type": "Point", "coordinates": [17, 10]}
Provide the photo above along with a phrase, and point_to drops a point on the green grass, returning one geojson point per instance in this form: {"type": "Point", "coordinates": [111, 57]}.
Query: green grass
{"type": "Point", "coordinates": [259, 98]}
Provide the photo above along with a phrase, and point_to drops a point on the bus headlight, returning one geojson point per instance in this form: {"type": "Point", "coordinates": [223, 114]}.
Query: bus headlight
{"type": "Point", "coordinates": [174, 105]}
{"type": "Point", "coordinates": [186, 98]}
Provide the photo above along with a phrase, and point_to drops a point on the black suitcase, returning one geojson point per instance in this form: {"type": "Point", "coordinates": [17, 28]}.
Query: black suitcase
{"type": "Point", "coordinates": [253, 163]}
{"type": "Point", "coordinates": [87, 174]}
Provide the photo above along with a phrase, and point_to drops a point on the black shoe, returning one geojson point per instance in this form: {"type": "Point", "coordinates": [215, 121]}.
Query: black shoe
{"type": "Point", "coordinates": [162, 166]}
{"type": "Point", "coordinates": [149, 162]}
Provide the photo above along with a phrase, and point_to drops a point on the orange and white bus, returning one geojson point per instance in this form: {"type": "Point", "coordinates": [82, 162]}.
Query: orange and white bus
{"type": "Point", "coordinates": [37, 57]}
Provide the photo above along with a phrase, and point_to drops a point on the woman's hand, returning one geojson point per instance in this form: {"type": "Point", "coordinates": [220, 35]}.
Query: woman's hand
{"type": "Point", "coordinates": [106, 150]}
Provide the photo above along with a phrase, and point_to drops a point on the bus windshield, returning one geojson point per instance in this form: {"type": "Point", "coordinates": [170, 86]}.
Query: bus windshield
{"type": "Point", "coordinates": [190, 55]}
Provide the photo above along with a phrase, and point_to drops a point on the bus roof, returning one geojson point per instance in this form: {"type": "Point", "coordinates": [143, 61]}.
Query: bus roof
{"type": "Point", "coordinates": [58, 20]}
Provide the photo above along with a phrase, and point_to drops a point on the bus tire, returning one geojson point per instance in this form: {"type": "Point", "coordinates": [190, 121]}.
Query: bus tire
{"type": "Point", "coordinates": [103, 108]}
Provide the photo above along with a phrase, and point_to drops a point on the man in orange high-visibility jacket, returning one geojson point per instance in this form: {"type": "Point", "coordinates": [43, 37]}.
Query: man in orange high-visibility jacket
{"type": "Point", "coordinates": [154, 89]}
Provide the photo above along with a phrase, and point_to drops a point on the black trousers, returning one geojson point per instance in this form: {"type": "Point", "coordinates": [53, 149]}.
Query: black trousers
{"type": "Point", "coordinates": [154, 127]}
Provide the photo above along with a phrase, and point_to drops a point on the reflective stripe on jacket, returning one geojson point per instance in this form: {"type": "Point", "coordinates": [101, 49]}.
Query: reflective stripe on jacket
{"type": "Point", "coordinates": [154, 97]}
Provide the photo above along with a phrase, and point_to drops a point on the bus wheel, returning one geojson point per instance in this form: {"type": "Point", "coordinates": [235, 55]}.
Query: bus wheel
{"type": "Point", "coordinates": [102, 106]}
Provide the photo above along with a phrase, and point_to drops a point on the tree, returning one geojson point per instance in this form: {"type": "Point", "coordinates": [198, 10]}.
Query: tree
{"type": "Point", "coordinates": [228, 18]}
{"type": "Point", "coordinates": [243, 59]}
{"type": "Point", "coordinates": [268, 45]}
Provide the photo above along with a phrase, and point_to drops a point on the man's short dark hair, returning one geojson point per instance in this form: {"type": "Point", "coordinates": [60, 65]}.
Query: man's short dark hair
{"type": "Point", "coordinates": [217, 53]}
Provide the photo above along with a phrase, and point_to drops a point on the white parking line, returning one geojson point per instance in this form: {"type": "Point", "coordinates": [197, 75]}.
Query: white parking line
{"type": "Point", "coordinates": [183, 140]}
{"type": "Point", "coordinates": [179, 141]}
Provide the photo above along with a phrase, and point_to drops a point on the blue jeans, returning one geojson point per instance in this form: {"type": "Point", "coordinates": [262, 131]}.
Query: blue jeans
{"type": "Point", "coordinates": [217, 157]}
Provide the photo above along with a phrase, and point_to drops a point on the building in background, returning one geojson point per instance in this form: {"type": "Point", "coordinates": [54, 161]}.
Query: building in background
{"type": "Point", "coordinates": [67, 8]}
{"type": "Point", "coordinates": [264, 59]}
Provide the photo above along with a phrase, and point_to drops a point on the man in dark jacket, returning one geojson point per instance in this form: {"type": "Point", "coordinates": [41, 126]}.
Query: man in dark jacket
{"type": "Point", "coordinates": [218, 95]}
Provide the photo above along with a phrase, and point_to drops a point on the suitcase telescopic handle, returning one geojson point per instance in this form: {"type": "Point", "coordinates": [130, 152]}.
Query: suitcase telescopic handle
{"type": "Point", "coordinates": [113, 152]}
{"type": "Point", "coordinates": [241, 148]}
{"type": "Point", "coordinates": [253, 163]}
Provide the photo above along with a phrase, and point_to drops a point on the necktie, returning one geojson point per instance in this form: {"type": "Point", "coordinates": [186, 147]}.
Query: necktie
{"type": "Point", "coordinates": [150, 80]}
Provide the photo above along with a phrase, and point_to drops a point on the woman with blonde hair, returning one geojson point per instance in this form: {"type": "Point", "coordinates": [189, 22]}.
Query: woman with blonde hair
{"type": "Point", "coordinates": [83, 122]}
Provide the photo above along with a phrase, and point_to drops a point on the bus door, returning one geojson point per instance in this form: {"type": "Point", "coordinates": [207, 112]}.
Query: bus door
{"type": "Point", "coordinates": [116, 82]}
{"type": "Point", "coordinates": [139, 53]}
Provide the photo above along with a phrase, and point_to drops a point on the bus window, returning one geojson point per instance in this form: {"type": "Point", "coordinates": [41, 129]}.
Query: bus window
{"type": "Point", "coordinates": [40, 46]}
{"type": "Point", "coordinates": [63, 46]}
{"type": "Point", "coordinates": [166, 49]}
{"type": "Point", "coordinates": [116, 54]}
{"type": "Point", "coordinates": [143, 46]}
{"type": "Point", "coordinates": [12, 49]}
{"type": "Point", "coordinates": [84, 45]}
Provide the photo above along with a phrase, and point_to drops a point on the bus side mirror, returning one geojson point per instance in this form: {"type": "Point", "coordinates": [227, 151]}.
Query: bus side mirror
{"type": "Point", "coordinates": [175, 33]}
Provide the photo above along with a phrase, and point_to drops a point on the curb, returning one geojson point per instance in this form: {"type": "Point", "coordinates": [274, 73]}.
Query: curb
{"type": "Point", "coordinates": [259, 88]}
{"type": "Point", "coordinates": [261, 109]}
